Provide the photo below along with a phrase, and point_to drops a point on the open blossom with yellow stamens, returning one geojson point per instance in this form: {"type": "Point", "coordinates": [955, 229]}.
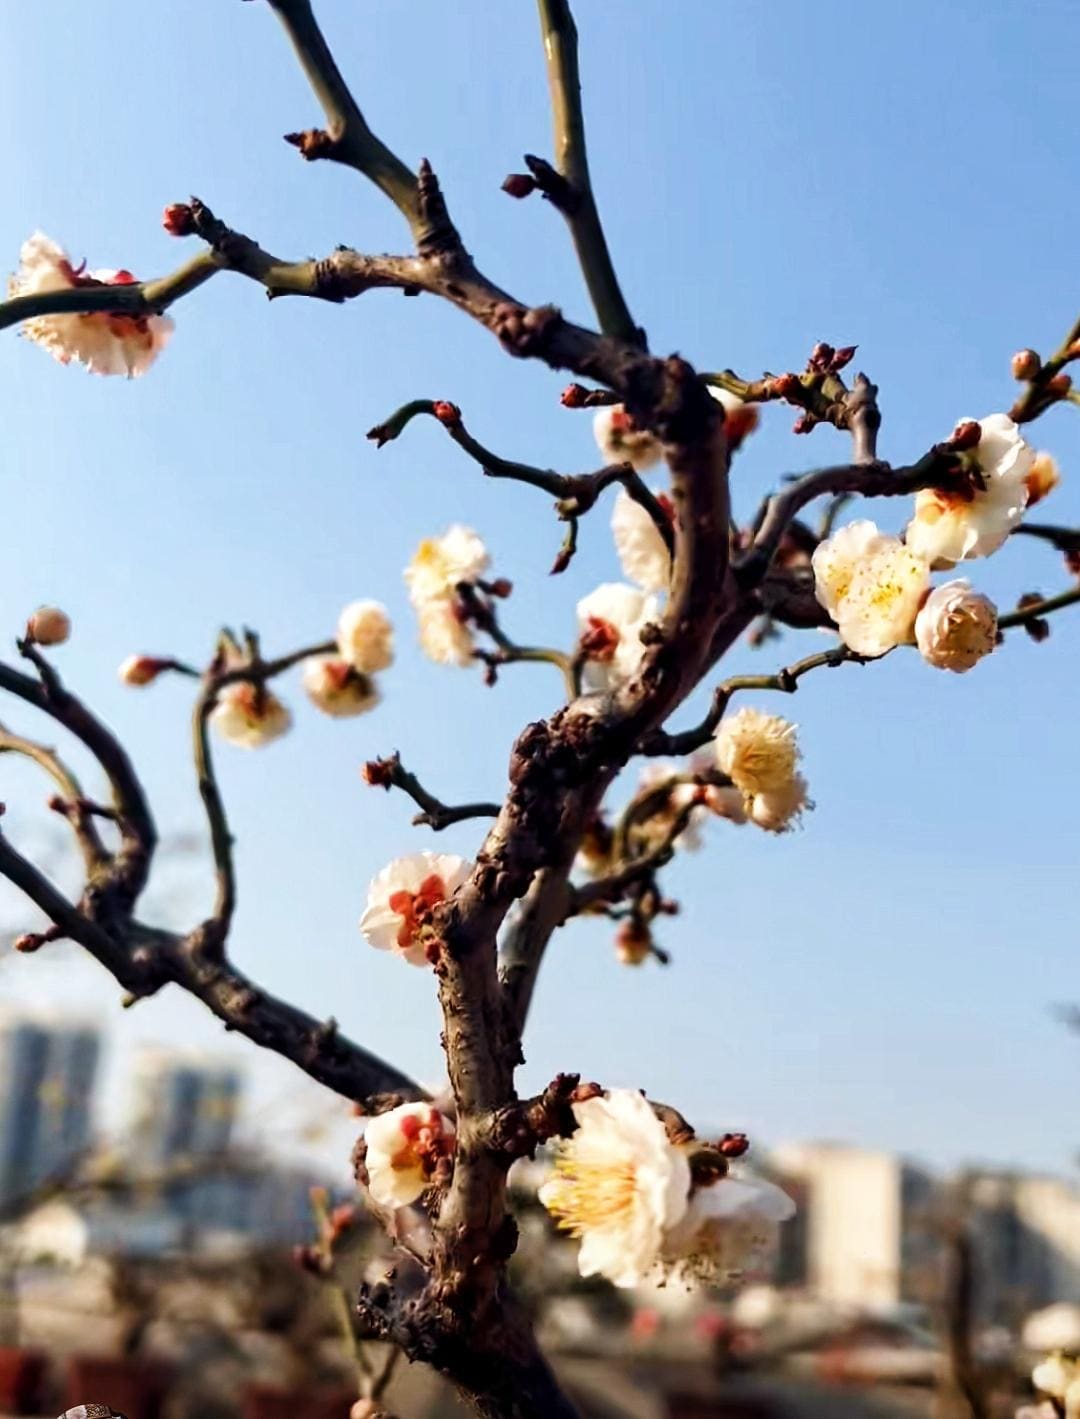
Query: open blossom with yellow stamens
{"type": "Point", "coordinates": [619, 1185]}
{"type": "Point", "coordinates": [610, 621]}
{"type": "Point", "coordinates": [336, 688]}
{"type": "Point", "coordinates": [621, 441]}
{"type": "Point", "coordinates": [403, 1149]}
{"type": "Point", "coordinates": [444, 636]}
{"type": "Point", "coordinates": [778, 810]}
{"type": "Point", "coordinates": [950, 526]}
{"type": "Point", "coordinates": [105, 342]}
{"type": "Point", "coordinates": [365, 637]}
{"type": "Point", "coordinates": [730, 1227]}
{"type": "Point", "coordinates": [757, 751]}
{"type": "Point", "coordinates": [883, 598]}
{"type": "Point", "coordinates": [836, 559]}
{"type": "Point", "coordinates": [403, 898]}
{"type": "Point", "coordinates": [441, 564]}
{"type": "Point", "coordinates": [1043, 477]}
{"type": "Point", "coordinates": [956, 627]}
{"type": "Point", "coordinates": [249, 716]}
{"type": "Point", "coordinates": [642, 550]}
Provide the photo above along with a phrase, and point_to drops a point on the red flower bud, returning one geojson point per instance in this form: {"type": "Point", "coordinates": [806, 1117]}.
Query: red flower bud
{"type": "Point", "coordinates": [965, 436]}
{"type": "Point", "coordinates": [501, 587]}
{"type": "Point", "coordinates": [821, 358]}
{"type": "Point", "coordinates": [379, 773]}
{"type": "Point", "coordinates": [1060, 384]}
{"type": "Point", "coordinates": [786, 386]}
{"type": "Point", "coordinates": [573, 396]}
{"type": "Point", "coordinates": [447, 413]}
{"type": "Point", "coordinates": [519, 184]}
{"type": "Point", "coordinates": [841, 357]}
{"type": "Point", "coordinates": [178, 219]}
{"type": "Point", "coordinates": [1025, 364]}
{"type": "Point", "coordinates": [733, 1145]}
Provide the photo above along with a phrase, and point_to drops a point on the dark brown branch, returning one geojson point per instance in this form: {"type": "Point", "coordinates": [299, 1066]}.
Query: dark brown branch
{"type": "Point", "coordinates": [216, 928]}
{"type": "Point", "coordinates": [76, 808]}
{"type": "Point", "coordinates": [391, 773]}
{"type": "Point", "coordinates": [1036, 610]}
{"type": "Point", "coordinates": [138, 834]}
{"type": "Point", "coordinates": [786, 681]}
{"type": "Point", "coordinates": [1065, 539]}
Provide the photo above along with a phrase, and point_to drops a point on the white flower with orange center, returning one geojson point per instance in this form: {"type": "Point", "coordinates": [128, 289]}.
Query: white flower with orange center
{"type": "Point", "coordinates": [757, 751]}
{"type": "Point", "coordinates": [952, 526]}
{"type": "Point", "coordinates": [642, 550]}
{"type": "Point", "coordinates": [730, 1227]}
{"type": "Point", "coordinates": [404, 1147]}
{"type": "Point", "coordinates": [248, 715]}
{"type": "Point", "coordinates": [956, 627]}
{"type": "Point", "coordinates": [1043, 477]}
{"type": "Point", "coordinates": [440, 564]}
{"type": "Point", "coordinates": [619, 1186]}
{"type": "Point", "coordinates": [402, 901]}
{"type": "Point", "coordinates": [335, 687]}
{"type": "Point", "coordinates": [621, 441]}
{"type": "Point", "coordinates": [886, 590]}
{"type": "Point", "coordinates": [836, 559]}
{"type": "Point", "coordinates": [778, 810]}
{"type": "Point", "coordinates": [610, 621]}
{"type": "Point", "coordinates": [105, 342]}
{"type": "Point", "coordinates": [365, 637]}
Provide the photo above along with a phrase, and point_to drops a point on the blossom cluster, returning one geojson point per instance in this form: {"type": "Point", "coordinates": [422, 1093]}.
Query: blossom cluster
{"type": "Point", "coordinates": [628, 1195]}
{"type": "Point", "coordinates": [877, 588]}
{"type": "Point", "coordinates": [340, 683]}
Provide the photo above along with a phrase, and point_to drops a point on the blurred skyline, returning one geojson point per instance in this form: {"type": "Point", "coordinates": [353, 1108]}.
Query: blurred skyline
{"type": "Point", "coordinates": [885, 975]}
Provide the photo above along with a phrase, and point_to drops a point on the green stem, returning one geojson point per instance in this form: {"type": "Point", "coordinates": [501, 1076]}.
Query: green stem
{"type": "Point", "coordinates": [571, 159]}
{"type": "Point", "coordinates": [357, 145]}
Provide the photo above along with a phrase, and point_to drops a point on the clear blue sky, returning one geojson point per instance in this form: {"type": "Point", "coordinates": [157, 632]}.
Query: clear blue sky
{"type": "Point", "coordinates": [907, 180]}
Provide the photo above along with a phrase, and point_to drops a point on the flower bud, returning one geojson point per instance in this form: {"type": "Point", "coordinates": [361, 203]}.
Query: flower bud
{"type": "Point", "coordinates": [178, 219]}
{"type": "Point", "coordinates": [447, 413]}
{"type": "Point", "coordinates": [519, 184]}
{"type": "Point", "coordinates": [573, 396]}
{"type": "Point", "coordinates": [1025, 365]}
{"type": "Point", "coordinates": [48, 626]}
{"type": "Point", "coordinates": [786, 386]}
{"type": "Point", "coordinates": [821, 358]}
{"type": "Point", "coordinates": [141, 669]}
{"type": "Point", "coordinates": [633, 943]}
{"type": "Point", "coordinates": [1060, 384]}
{"type": "Point", "coordinates": [733, 1145]}
{"type": "Point", "coordinates": [966, 435]}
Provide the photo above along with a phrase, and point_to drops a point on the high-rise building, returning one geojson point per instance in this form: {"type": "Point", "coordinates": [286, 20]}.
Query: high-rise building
{"type": "Point", "coordinates": [868, 1238]}
{"type": "Point", "coordinates": [1026, 1230]}
{"type": "Point", "coordinates": [47, 1070]}
{"type": "Point", "coordinates": [184, 1113]}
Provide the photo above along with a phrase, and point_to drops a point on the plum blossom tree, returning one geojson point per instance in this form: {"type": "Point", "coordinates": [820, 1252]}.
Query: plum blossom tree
{"type": "Point", "coordinates": [632, 1181]}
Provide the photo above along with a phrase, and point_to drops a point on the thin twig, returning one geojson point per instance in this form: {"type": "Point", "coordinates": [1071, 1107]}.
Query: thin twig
{"type": "Point", "coordinates": [391, 773]}
{"type": "Point", "coordinates": [77, 809]}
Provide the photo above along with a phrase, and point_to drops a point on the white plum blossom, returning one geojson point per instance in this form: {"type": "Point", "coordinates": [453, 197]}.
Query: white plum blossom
{"type": "Point", "coordinates": [949, 527]}
{"type": "Point", "coordinates": [402, 899]}
{"type": "Point", "coordinates": [777, 810]}
{"type": "Point", "coordinates": [886, 590]}
{"type": "Point", "coordinates": [726, 802]}
{"type": "Point", "coordinates": [642, 551]}
{"type": "Point", "coordinates": [836, 558]}
{"type": "Point", "coordinates": [335, 687]}
{"type": "Point", "coordinates": [610, 621]}
{"type": "Point", "coordinates": [741, 416]}
{"type": "Point", "coordinates": [403, 1148]}
{"type": "Point", "coordinates": [757, 751]}
{"type": "Point", "coordinates": [621, 442]}
{"type": "Point", "coordinates": [956, 627]}
{"type": "Point", "coordinates": [440, 564]}
{"type": "Point", "coordinates": [730, 1226]}
{"type": "Point", "coordinates": [105, 342]}
{"type": "Point", "coordinates": [619, 1186]}
{"type": "Point", "coordinates": [249, 715]}
{"type": "Point", "coordinates": [49, 626]}
{"type": "Point", "coordinates": [365, 637]}
{"type": "Point", "coordinates": [444, 636]}
{"type": "Point", "coordinates": [1056, 1375]}
{"type": "Point", "coordinates": [1043, 477]}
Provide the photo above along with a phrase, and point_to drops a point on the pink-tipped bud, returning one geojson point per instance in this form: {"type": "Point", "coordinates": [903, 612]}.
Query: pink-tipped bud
{"type": "Point", "coordinates": [1060, 384]}
{"type": "Point", "coordinates": [48, 626]}
{"type": "Point", "coordinates": [519, 184]}
{"type": "Point", "coordinates": [966, 436]}
{"type": "Point", "coordinates": [821, 358]}
{"type": "Point", "coordinates": [786, 386]}
{"type": "Point", "coordinates": [1025, 364]}
{"type": "Point", "coordinates": [841, 357]}
{"type": "Point", "coordinates": [573, 396]}
{"type": "Point", "coordinates": [141, 669]}
{"type": "Point", "coordinates": [446, 413]}
{"type": "Point", "coordinates": [733, 1145]}
{"type": "Point", "coordinates": [178, 219]}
